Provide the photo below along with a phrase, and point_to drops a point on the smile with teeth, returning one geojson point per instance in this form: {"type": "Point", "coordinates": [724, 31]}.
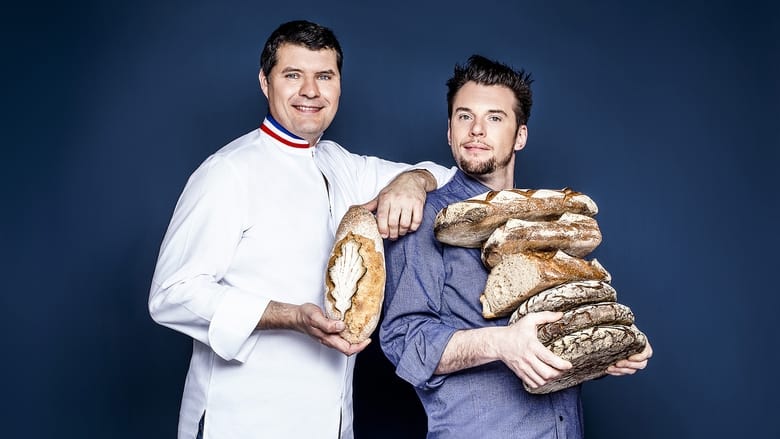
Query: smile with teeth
{"type": "Point", "coordinates": [307, 108]}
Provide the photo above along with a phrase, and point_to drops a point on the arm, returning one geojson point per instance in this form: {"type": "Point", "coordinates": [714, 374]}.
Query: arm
{"type": "Point", "coordinates": [396, 191]}
{"type": "Point", "coordinates": [412, 333]}
{"type": "Point", "coordinates": [633, 363]}
{"type": "Point", "coordinates": [310, 320]}
{"type": "Point", "coordinates": [186, 293]}
{"type": "Point", "coordinates": [517, 346]}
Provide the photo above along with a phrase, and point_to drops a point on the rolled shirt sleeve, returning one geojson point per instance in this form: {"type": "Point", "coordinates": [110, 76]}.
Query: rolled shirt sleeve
{"type": "Point", "coordinates": [412, 334]}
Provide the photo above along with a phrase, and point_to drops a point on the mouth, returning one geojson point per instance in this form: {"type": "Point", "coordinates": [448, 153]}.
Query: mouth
{"type": "Point", "coordinates": [475, 146]}
{"type": "Point", "coordinates": [307, 108]}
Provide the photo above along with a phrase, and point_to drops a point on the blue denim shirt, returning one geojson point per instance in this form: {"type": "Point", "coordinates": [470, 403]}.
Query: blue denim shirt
{"type": "Point", "coordinates": [432, 291]}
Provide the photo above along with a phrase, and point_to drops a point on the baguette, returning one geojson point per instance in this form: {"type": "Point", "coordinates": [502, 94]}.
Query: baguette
{"type": "Point", "coordinates": [468, 223]}
{"type": "Point", "coordinates": [355, 275]}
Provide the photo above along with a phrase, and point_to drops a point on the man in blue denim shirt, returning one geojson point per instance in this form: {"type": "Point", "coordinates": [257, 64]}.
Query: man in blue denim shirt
{"type": "Point", "coordinates": [465, 368]}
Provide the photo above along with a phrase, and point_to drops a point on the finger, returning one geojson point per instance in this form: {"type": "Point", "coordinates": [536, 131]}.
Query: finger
{"type": "Point", "coordinates": [393, 220]}
{"type": "Point", "coordinates": [336, 342]}
{"type": "Point", "coordinates": [404, 222]}
{"type": "Point", "coordinates": [371, 205]}
{"type": "Point", "coordinates": [551, 360]}
{"type": "Point", "coordinates": [382, 214]}
{"type": "Point", "coordinates": [619, 371]}
{"type": "Point", "coordinates": [416, 219]}
{"type": "Point", "coordinates": [355, 348]}
{"type": "Point", "coordinates": [327, 326]}
{"type": "Point", "coordinates": [538, 318]}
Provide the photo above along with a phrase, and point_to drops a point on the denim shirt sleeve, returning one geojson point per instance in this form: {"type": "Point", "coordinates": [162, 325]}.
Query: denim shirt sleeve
{"type": "Point", "coordinates": [412, 334]}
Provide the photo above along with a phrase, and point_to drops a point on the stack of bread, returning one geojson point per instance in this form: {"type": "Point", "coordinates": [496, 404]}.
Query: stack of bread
{"type": "Point", "coordinates": [534, 243]}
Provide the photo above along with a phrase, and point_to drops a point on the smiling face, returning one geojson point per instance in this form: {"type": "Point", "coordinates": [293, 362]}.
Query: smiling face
{"type": "Point", "coordinates": [303, 90]}
{"type": "Point", "coordinates": [483, 133]}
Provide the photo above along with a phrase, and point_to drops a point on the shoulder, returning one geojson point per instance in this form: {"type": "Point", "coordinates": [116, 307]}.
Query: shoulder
{"type": "Point", "coordinates": [229, 163]}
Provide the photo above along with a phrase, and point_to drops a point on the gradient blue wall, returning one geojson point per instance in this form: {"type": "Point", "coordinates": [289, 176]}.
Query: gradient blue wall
{"type": "Point", "coordinates": [666, 113]}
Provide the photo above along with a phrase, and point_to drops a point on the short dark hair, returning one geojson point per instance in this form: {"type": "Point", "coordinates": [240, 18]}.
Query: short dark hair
{"type": "Point", "coordinates": [488, 72]}
{"type": "Point", "coordinates": [300, 33]}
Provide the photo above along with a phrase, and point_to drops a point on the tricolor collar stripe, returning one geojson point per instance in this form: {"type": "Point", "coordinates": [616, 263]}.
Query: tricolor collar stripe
{"type": "Point", "coordinates": [273, 129]}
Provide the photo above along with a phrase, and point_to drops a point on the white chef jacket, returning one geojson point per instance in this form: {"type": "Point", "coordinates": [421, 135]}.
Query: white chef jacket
{"type": "Point", "coordinates": [256, 223]}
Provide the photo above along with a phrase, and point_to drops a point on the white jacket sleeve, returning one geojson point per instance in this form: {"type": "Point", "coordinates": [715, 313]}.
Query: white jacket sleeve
{"type": "Point", "coordinates": [359, 178]}
{"type": "Point", "coordinates": [186, 293]}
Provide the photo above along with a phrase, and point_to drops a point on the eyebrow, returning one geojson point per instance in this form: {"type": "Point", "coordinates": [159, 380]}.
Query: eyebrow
{"type": "Point", "coordinates": [296, 69]}
{"type": "Point", "coordinates": [467, 109]}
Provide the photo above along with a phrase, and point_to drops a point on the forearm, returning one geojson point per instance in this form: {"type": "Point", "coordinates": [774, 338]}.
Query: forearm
{"type": "Point", "coordinates": [279, 315]}
{"type": "Point", "coordinates": [424, 178]}
{"type": "Point", "coordinates": [469, 348]}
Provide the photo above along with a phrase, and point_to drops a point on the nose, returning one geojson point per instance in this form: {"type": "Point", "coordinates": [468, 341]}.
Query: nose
{"type": "Point", "coordinates": [477, 130]}
{"type": "Point", "coordinates": [309, 88]}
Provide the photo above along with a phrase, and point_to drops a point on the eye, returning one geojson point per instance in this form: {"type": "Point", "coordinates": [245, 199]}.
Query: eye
{"type": "Point", "coordinates": [495, 118]}
{"type": "Point", "coordinates": [292, 75]}
{"type": "Point", "coordinates": [464, 116]}
{"type": "Point", "coordinates": [325, 77]}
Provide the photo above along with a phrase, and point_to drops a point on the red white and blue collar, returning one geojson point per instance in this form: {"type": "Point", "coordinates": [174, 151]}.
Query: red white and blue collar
{"type": "Point", "coordinates": [271, 127]}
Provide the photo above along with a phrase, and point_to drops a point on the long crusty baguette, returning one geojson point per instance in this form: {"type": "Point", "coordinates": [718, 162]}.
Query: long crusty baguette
{"type": "Point", "coordinates": [355, 276]}
{"type": "Point", "coordinates": [565, 297]}
{"type": "Point", "coordinates": [519, 276]}
{"type": "Point", "coordinates": [468, 223]}
{"type": "Point", "coordinates": [573, 233]}
{"type": "Point", "coordinates": [591, 351]}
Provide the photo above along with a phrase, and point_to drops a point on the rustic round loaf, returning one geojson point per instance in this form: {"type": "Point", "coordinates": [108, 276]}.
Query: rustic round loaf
{"type": "Point", "coordinates": [355, 275]}
{"type": "Point", "coordinates": [585, 316]}
{"type": "Point", "coordinates": [591, 351]}
{"type": "Point", "coordinates": [565, 297]}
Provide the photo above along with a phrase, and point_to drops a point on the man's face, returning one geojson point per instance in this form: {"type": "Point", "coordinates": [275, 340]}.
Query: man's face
{"type": "Point", "coordinates": [483, 131]}
{"type": "Point", "coordinates": [303, 90]}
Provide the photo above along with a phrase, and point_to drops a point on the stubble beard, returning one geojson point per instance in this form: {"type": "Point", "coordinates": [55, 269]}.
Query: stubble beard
{"type": "Point", "coordinates": [483, 167]}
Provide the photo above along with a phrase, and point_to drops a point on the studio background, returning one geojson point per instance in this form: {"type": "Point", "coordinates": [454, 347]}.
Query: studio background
{"type": "Point", "coordinates": [665, 113]}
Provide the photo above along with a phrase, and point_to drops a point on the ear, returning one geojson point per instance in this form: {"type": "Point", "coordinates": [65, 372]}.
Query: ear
{"type": "Point", "coordinates": [522, 137]}
{"type": "Point", "coordinates": [449, 137]}
{"type": "Point", "coordinates": [263, 83]}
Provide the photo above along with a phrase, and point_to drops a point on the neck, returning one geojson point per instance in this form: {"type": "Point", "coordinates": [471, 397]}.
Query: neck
{"type": "Point", "coordinates": [497, 181]}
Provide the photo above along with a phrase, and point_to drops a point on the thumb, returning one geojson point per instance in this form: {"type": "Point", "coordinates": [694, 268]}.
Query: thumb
{"type": "Point", "coordinates": [541, 317]}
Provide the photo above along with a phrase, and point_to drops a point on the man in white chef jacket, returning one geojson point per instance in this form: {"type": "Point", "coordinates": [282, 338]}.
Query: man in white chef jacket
{"type": "Point", "coordinates": [241, 268]}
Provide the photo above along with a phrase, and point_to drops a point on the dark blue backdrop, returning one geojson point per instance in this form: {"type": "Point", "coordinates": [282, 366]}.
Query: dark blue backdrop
{"type": "Point", "coordinates": [666, 113]}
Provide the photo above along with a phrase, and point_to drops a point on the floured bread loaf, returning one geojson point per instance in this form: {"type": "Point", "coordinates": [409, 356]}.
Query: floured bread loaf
{"type": "Point", "coordinates": [565, 297]}
{"type": "Point", "coordinates": [591, 351]}
{"type": "Point", "coordinates": [572, 233]}
{"type": "Point", "coordinates": [355, 276]}
{"type": "Point", "coordinates": [468, 223]}
{"type": "Point", "coordinates": [519, 276]}
{"type": "Point", "coordinates": [605, 313]}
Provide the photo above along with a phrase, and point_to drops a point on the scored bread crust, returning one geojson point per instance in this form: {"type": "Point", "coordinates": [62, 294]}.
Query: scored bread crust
{"type": "Point", "coordinates": [470, 222]}
{"type": "Point", "coordinates": [575, 234]}
{"type": "Point", "coordinates": [357, 228]}
{"type": "Point", "coordinates": [606, 313]}
{"type": "Point", "coordinates": [565, 297]}
{"type": "Point", "coordinates": [519, 276]}
{"type": "Point", "coordinates": [590, 352]}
